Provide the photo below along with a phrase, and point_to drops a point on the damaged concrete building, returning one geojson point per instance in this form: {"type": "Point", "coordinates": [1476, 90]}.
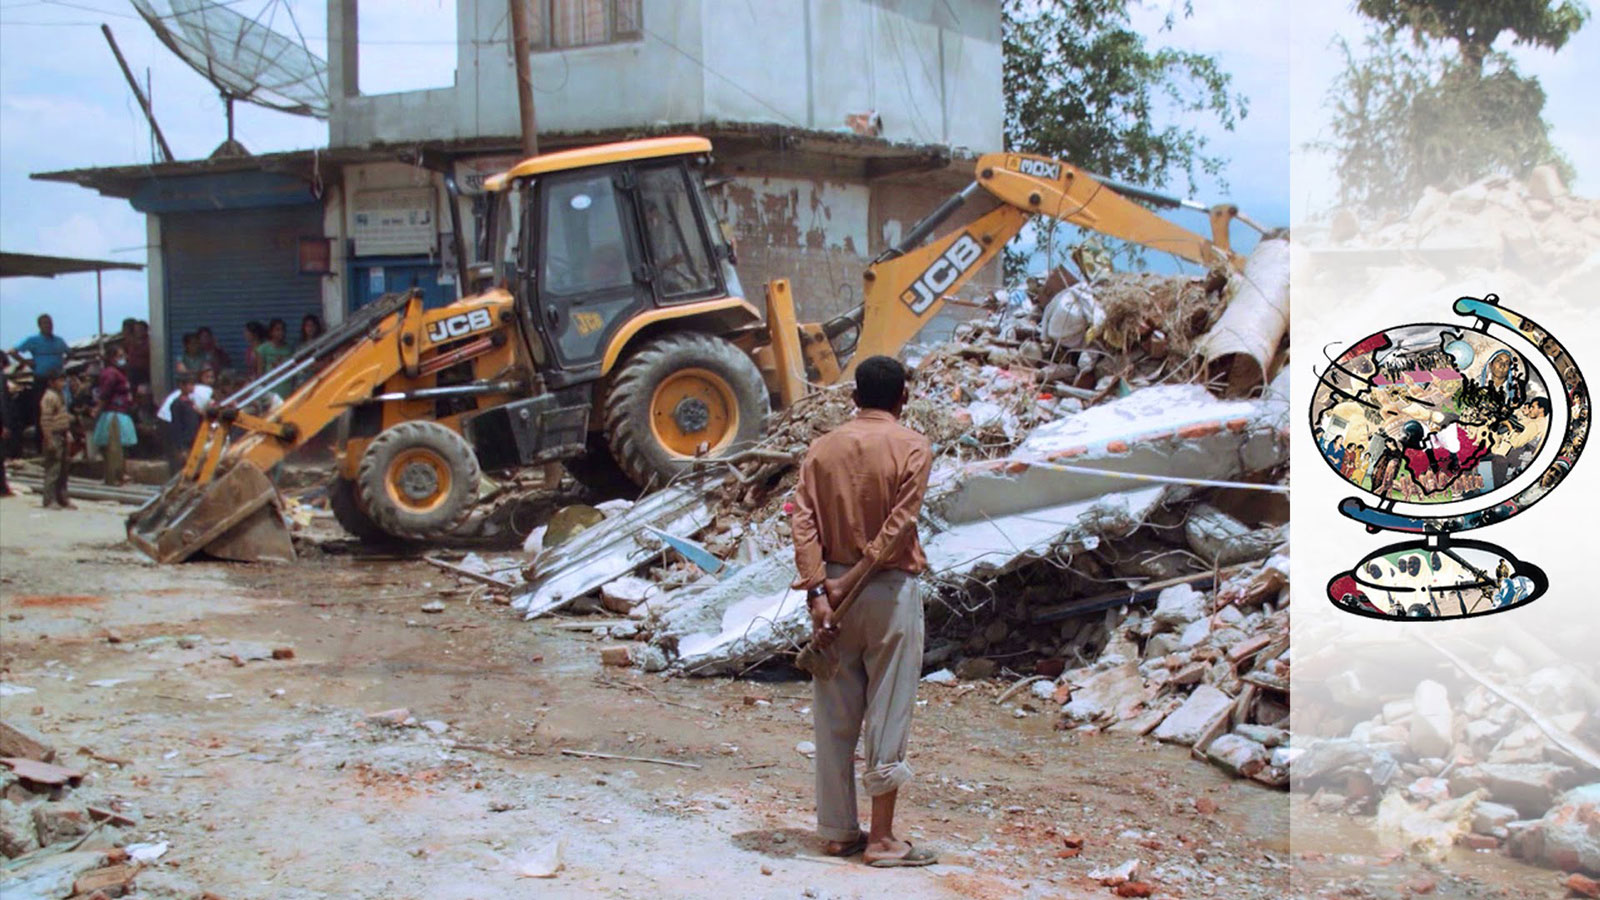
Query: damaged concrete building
{"type": "Point", "coordinates": [836, 129]}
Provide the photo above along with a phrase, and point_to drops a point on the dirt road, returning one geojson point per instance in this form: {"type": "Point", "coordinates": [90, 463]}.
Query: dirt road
{"type": "Point", "coordinates": [268, 779]}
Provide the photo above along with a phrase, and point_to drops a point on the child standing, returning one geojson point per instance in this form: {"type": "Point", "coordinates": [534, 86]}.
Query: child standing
{"type": "Point", "coordinates": [54, 423]}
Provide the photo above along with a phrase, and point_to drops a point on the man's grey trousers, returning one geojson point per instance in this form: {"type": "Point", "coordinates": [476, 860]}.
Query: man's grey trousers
{"type": "Point", "coordinates": [872, 694]}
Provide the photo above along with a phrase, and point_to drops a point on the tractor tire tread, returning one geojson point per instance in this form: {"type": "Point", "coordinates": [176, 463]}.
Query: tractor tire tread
{"type": "Point", "coordinates": [628, 396]}
{"type": "Point", "coordinates": [370, 477]}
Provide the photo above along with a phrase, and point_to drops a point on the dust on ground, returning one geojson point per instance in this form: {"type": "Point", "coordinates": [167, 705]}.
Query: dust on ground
{"type": "Point", "coordinates": [268, 779]}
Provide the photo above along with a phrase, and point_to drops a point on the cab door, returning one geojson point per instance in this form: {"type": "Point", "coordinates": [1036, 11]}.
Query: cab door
{"type": "Point", "coordinates": [589, 278]}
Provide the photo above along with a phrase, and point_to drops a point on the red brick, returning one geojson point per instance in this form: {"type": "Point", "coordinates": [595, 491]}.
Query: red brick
{"type": "Point", "coordinates": [1206, 429]}
{"type": "Point", "coordinates": [1134, 889]}
{"type": "Point", "coordinates": [1016, 467]}
{"type": "Point", "coordinates": [1073, 840]}
{"type": "Point", "coordinates": [1582, 885]}
{"type": "Point", "coordinates": [1117, 447]}
{"type": "Point", "coordinates": [1206, 806]}
{"type": "Point", "coordinates": [1070, 452]}
{"type": "Point", "coordinates": [1480, 842]}
{"type": "Point", "coordinates": [1238, 425]}
{"type": "Point", "coordinates": [1422, 884]}
{"type": "Point", "coordinates": [283, 653]}
{"type": "Point", "coordinates": [616, 656]}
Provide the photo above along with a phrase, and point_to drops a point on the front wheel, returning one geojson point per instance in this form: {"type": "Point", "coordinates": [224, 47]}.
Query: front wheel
{"type": "Point", "coordinates": [418, 480]}
{"type": "Point", "coordinates": [680, 397]}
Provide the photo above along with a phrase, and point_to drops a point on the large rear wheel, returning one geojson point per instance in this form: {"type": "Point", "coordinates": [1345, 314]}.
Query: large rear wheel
{"type": "Point", "coordinates": [680, 397]}
{"type": "Point", "coordinates": [418, 480]}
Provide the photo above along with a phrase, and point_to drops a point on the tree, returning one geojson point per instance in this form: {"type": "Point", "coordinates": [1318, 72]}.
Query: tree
{"type": "Point", "coordinates": [1475, 24]}
{"type": "Point", "coordinates": [1408, 113]}
{"type": "Point", "coordinates": [1082, 85]}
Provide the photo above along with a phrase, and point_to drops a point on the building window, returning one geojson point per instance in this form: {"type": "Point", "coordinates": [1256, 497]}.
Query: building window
{"type": "Point", "coordinates": [563, 24]}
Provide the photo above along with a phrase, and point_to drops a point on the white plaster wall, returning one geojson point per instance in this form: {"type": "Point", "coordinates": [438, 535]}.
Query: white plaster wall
{"type": "Point", "coordinates": [718, 60]}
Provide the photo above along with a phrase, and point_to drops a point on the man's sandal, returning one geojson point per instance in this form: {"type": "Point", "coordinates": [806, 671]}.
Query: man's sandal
{"type": "Point", "coordinates": [915, 856]}
{"type": "Point", "coordinates": [852, 848]}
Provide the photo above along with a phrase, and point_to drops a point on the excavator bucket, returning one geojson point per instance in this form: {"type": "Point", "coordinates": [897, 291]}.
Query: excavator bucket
{"type": "Point", "coordinates": [234, 516]}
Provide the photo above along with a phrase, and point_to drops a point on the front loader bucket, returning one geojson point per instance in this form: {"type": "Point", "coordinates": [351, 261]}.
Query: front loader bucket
{"type": "Point", "coordinates": [235, 516]}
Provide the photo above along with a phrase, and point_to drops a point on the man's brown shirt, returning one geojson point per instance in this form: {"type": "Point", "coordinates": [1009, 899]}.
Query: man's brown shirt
{"type": "Point", "coordinates": [861, 488]}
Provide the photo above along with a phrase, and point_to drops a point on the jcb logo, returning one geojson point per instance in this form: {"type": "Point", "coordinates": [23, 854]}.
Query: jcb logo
{"type": "Point", "coordinates": [1038, 168]}
{"type": "Point", "coordinates": [458, 325]}
{"type": "Point", "coordinates": [587, 323]}
{"type": "Point", "coordinates": [945, 271]}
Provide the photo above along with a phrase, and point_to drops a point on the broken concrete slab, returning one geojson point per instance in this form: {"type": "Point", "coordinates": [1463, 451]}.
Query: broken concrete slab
{"type": "Point", "coordinates": [1196, 717]}
{"type": "Point", "coordinates": [1114, 693]}
{"type": "Point", "coordinates": [1179, 605]}
{"type": "Point", "coordinates": [1237, 755]}
{"type": "Point", "coordinates": [615, 547]}
{"type": "Point", "coordinates": [1432, 720]}
{"type": "Point", "coordinates": [1530, 788]}
{"type": "Point", "coordinates": [622, 595]}
{"type": "Point", "coordinates": [1572, 830]}
{"type": "Point", "coordinates": [47, 875]}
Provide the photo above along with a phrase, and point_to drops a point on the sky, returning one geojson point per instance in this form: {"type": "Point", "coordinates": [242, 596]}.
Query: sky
{"type": "Point", "coordinates": [64, 104]}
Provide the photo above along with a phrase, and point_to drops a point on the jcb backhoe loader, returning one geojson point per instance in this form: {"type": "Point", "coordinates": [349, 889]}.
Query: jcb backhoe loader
{"type": "Point", "coordinates": [608, 331]}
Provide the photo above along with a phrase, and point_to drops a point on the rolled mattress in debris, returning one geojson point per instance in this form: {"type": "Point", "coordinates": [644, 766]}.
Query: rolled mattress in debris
{"type": "Point", "coordinates": [1240, 348]}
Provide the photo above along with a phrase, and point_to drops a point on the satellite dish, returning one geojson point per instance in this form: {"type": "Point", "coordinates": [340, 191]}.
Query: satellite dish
{"type": "Point", "coordinates": [244, 57]}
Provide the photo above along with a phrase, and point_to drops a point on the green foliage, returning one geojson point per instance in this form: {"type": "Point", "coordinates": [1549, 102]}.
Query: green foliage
{"type": "Point", "coordinates": [1411, 111]}
{"type": "Point", "coordinates": [1475, 24]}
{"type": "Point", "coordinates": [1407, 117]}
{"type": "Point", "coordinates": [1082, 85]}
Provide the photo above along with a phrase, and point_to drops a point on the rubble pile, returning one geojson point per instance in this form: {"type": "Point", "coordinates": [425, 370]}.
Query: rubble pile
{"type": "Point", "coordinates": [58, 839]}
{"type": "Point", "coordinates": [1531, 226]}
{"type": "Point", "coordinates": [1098, 521]}
{"type": "Point", "coordinates": [1493, 753]}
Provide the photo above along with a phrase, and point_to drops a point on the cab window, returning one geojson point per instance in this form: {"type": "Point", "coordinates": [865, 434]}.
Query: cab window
{"type": "Point", "coordinates": [678, 248]}
{"type": "Point", "coordinates": [584, 248]}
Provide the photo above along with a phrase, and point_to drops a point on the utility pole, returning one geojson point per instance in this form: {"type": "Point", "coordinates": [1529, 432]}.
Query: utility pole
{"type": "Point", "coordinates": [522, 49]}
{"type": "Point", "coordinates": [144, 102]}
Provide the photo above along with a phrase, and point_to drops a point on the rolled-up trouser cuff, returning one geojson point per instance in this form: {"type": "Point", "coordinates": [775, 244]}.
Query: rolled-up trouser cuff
{"type": "Point", "coordinates": [830, 833]}
{"type": "Point", "coordinates": [883, 779]}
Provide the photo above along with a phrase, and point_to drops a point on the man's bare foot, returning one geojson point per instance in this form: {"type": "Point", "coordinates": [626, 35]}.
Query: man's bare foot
{"type": "Point", "coordinates": [888, 848]}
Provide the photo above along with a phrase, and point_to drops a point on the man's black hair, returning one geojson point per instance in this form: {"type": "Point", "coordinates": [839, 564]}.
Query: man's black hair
{"type": "Point", "coordinates": [1543, 403]}
{"type": "Point", "coordinates": [880, 382]}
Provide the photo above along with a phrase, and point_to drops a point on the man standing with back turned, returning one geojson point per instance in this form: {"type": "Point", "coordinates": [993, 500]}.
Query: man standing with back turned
{"type": "Point", "coordinates": [855, 521]}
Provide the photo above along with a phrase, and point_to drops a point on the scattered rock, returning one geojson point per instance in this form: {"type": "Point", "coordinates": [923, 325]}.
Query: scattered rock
{"type": "Point", "coordinates": [1530, 788]}
{"type": "Point", "coordinates": [17, 834]}
{"type": "Point", "coordinates": [652, 658]}
{"type": "Point", "coordinates": [1432, 720]}
{"type": "Point", "coordinates": [20, 739]}
{"type": "Point", "coordinates": [1198, 715]}
{"type": "Point", "coordinates": [976, 668]}
{"type": "Point", "coordinates": [1572, 831]}
{"type": "Point", "coordinates": [433, 606]}
{"type": "Point", "coordinates": [393, 718]}
{"type": "Point", "coordinates": [1582, 885]}
{"type": "Point", "coordinates": [806, 749]}
{"type": "Point", "coordinates": [60, 821]}
{"type": "Point", "coordinates": [435, 726]}
{"type": "Point", "coordinates": [622, 595]}
{"type": "Point", "coordinates": [618, 655]}
{"type": "Point", "coordinates": [1237, 755]}
{"type": "Point", "coordinates": [942, 676]}
{"type": "Point", "coordinates": [1122, 874]}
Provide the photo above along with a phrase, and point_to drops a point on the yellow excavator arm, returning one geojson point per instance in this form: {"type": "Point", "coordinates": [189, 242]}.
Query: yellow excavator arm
{"type": "Point", "coordinates": [905, 287]}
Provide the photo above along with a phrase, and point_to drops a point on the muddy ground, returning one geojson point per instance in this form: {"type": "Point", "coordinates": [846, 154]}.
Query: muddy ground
{"type": "Point", "coordinates": [268, 780]}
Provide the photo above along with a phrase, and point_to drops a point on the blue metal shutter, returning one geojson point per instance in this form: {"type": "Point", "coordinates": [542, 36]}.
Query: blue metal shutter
{"type": "Point", "coordinates": [227, 267]}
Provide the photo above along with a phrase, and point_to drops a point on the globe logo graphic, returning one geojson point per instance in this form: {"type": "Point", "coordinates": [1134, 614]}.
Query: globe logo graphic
{"type": "Point", "coordinates": [1446, 428]}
